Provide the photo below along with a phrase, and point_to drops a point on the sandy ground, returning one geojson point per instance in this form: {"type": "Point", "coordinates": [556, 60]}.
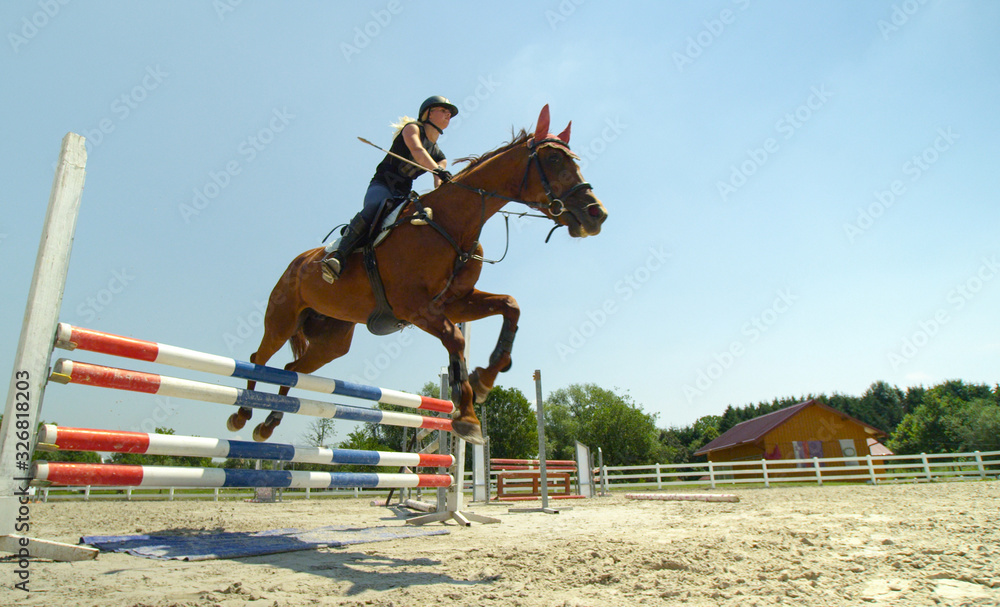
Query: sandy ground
{"type": "Point", "coordinates": [899, 545]}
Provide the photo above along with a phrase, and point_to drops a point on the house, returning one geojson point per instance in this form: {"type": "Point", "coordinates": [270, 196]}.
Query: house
{"type": "Point", "coordinates": [806, 430]}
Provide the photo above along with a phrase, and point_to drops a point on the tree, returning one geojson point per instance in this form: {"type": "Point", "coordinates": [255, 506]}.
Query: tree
{"type": "Point", "coordinates": [511, 424]}
{"type": "Point", "coordinates": [978, 426]}
{"type": "Point", "coordinates": [704, 431]}
{"type": "Point", "coordinates": [952, 416]}
{"type": "Point", "coordinates": [602, 418]}
{"type": "Point", "coordinates": [320, 432]}
{"type": "Point", "coordinates": [881, 406]}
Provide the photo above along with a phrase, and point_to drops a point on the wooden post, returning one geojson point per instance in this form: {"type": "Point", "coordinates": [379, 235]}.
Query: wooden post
{"type": "Point", "coordinates": [41, 315]}
{"type": "Point", "coordinates": [542, 466]}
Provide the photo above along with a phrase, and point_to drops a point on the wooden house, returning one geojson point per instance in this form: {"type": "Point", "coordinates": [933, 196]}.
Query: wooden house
{"type": "Point", "coordinates": [806, 430]}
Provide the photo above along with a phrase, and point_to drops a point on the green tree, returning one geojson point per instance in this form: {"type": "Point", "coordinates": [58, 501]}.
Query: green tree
{"type": "Point", "coordinates": [881, 406]}
{"type": "Point", "coordinates": [511, 424]}
{"type": "Point", "coordinates": [605, 419]}
{"type": "Point", "coordinates": [944, 421]}
{"type": "Point", "coordinates": [977, 425]}
{"type": "Point", "coordinates": [705, 430]}
{"type": "Point", "coordinates": [320, 432]}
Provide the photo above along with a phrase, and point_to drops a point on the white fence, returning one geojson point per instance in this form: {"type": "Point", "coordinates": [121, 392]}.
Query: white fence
{"type": "Point", "coordinates": [870, 469]}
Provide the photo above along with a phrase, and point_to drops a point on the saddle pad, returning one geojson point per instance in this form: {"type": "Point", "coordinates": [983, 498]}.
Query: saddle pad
{"type": "Point", "coordinates": [386, 223]}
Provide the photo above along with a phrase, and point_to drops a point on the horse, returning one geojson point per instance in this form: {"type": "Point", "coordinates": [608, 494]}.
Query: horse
{"type": "Point", "coordinates": [429, 270]}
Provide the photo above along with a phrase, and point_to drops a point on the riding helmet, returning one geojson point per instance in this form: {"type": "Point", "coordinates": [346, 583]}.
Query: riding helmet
{"type": "Point", "coordinates": [438, 101]}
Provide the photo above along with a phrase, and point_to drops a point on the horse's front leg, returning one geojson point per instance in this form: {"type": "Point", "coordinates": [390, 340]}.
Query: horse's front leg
{"type": "Point", "coordinates": [477, 305]}
{"type": "Point", "coordinates": [465, 424]}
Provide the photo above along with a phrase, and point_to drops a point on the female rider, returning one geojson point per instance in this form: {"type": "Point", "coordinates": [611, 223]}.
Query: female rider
{"type": "Point", "coordinates": [415, 140]}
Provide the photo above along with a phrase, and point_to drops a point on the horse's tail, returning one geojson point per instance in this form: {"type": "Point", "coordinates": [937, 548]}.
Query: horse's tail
{"type": "Point", "coordinates": [311, 324]}
{"type": "Point", "coordinates": [299, 340]}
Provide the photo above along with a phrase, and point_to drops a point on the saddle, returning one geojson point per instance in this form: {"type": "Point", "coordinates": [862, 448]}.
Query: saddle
{"type": "Point", "coordinates": [382, 320]}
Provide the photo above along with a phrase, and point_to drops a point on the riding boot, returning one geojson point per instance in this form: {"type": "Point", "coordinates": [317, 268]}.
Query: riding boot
{"type": "Point", "coordinates": [340, 249]}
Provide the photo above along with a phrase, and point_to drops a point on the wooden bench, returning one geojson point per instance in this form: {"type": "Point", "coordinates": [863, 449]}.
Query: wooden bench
{"type": "Point", "coordinates": [520, 474]}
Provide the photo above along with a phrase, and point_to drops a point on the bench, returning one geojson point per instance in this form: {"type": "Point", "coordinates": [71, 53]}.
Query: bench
{"type": "Point", "coordinates": [521, 474]}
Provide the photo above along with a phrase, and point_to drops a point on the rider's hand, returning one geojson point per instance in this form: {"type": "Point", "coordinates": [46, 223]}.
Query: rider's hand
{"type": "Point", "coordinates": [443, 175]}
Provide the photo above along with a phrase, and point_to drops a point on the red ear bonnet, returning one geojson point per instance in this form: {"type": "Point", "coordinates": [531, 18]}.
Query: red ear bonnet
{"type": "Point", "coordinates": [542, 129]}
{"type": "Point", "coordinates": [564, 136]}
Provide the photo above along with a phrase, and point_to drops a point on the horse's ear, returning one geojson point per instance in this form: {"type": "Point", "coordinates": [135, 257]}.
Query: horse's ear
{"type": "Point", "coordinates": [565, 134]}
{"type": "Point", "coordinates": [542, 128]}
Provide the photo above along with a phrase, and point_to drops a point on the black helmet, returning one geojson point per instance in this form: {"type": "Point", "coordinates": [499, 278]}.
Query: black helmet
{"type": "Point", "coordinates": [437, 101]}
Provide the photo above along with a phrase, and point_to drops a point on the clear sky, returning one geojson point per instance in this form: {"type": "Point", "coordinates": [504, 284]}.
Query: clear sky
{"type": "Point", "coordinates": [802, 195]}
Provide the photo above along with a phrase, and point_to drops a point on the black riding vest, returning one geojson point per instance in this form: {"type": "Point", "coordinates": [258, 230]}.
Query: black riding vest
{"type": "Point", "coordinates": [399, 175]}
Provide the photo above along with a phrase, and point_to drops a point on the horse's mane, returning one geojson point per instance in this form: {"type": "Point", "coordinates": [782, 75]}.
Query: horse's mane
{"type": "Point", "coordinates": [474, 161]}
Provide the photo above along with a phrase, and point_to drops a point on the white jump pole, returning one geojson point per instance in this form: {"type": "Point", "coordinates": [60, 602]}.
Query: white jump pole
{"type": "Point", "coordinates": [41, 315]}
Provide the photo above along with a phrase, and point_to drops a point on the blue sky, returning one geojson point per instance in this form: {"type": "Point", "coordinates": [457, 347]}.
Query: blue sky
{"type": "Point", "coordinates": [800, 193]}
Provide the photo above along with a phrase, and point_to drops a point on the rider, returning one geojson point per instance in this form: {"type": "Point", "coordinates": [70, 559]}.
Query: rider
{"type": "Point", "coordinates": [415, 140]}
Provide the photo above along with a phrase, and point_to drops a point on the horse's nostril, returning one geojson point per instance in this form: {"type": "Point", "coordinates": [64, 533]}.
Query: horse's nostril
{"type": "Point", "coordinates": [595, 211]}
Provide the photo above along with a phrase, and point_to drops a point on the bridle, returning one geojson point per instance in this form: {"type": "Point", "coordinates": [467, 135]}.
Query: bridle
{"type": "Point", "coordinates": [555, 205]}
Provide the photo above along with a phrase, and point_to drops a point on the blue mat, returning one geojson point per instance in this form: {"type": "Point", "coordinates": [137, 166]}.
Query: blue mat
{"type": "Point", "coordinates": [235, 545]}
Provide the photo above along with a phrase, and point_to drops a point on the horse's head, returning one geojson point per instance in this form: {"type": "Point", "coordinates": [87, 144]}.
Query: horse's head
{"type": "Point", "coordinates": [554, 184]}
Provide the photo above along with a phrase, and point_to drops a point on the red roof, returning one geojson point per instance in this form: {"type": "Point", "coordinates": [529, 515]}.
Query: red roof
{"type": "Point", "coordinates": [877, 448]}
{"type": "Point", "coordinates": [752, 430]}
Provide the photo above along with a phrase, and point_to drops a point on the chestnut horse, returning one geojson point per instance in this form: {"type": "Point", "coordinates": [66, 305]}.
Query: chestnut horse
{"type": "Point", "coordinates": [430, 271]}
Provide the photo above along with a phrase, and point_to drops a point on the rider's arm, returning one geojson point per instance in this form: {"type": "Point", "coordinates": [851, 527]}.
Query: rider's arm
{"type": "Point", "coordinates": [411, 136]}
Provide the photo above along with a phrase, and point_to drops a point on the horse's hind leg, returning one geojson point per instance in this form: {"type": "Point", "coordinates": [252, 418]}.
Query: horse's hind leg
{"type": "Point", "coordinates": [321, 339]}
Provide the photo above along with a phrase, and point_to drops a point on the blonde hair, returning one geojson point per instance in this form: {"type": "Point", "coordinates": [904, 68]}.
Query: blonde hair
{"type": "Point", "coordinates": [397, 126]}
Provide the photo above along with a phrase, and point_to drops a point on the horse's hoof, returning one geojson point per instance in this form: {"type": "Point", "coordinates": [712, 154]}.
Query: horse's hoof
{"type": "Point", "coordinates": [235, 423]}
{"type": "Point", "coordinates": [469, 432]}
{"type": "Point", "coordinates": [262, 432]}
{"type": "Point", "coordinates": [480, 391]}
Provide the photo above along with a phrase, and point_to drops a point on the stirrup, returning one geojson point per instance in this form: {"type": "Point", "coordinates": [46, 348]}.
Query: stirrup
{"type": "Point", "coordinates": [330, 268]}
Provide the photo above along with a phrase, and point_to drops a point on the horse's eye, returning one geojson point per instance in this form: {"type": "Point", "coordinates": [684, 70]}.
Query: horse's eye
{"type": "Point", "coordinates": [555, 158]}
